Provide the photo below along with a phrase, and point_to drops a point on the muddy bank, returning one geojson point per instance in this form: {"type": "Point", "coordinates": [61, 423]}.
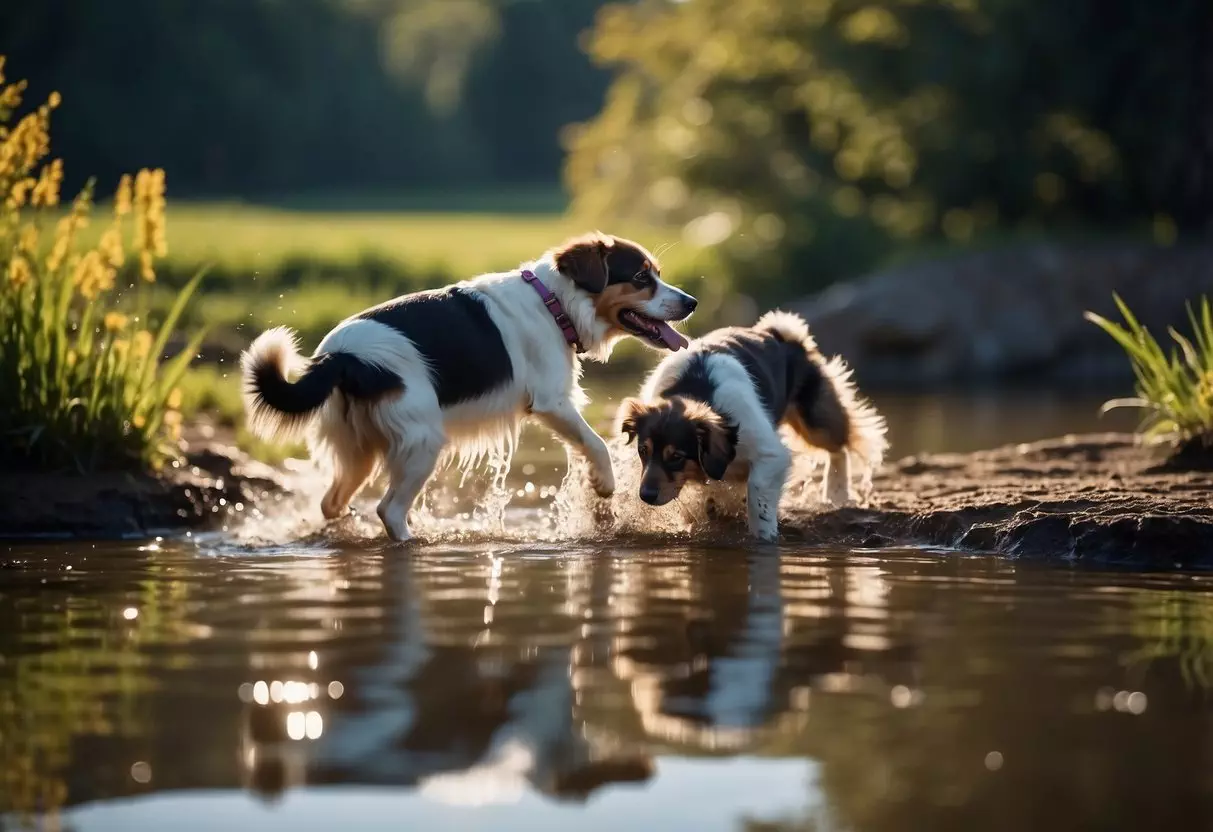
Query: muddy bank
{"type": "Point", "coordinates": [1098, 497]}
{"type": "Point", "coordinates": [212, 480]}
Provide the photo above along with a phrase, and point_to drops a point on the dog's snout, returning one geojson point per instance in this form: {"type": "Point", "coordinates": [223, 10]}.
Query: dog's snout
{"type": "Point", "coordinates": [686, 303]}
{"type": "Point", "coordinates": [649, 493]}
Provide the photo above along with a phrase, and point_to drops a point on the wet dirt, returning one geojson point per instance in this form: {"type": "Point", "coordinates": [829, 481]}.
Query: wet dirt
{"type": "Point", "coordinates": [1100, 497]}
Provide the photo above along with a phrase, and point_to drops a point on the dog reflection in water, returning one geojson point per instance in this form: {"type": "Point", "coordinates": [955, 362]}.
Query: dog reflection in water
{"type": "Point", "coordinates": [482, 728]}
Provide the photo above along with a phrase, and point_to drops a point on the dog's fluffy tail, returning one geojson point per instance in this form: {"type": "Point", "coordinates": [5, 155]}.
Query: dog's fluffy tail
{"type": "Point", "coordinates": [279, 409]}
{"type": "Point", "coordinates": [865, 427]}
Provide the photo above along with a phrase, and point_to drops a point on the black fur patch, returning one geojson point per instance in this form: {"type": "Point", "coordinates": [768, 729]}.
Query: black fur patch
{"type": "Point", "coordinates": [337, 370]}
{"type": "Point", "coordinates": [453, 330]}
{"type": "Point", "coordinates": [780, 370]}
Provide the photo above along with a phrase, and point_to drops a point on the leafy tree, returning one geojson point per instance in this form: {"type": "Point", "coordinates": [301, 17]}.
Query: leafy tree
{"type": "Point", "coordinates": [813, 137]}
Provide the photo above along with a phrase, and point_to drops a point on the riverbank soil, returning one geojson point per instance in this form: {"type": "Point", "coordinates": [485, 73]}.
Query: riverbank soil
{"type": "Point", "coordinates": [211, 481]}
{"type": "Point", "coordinates": [1100, 497]}
{"type": "Point", "coordinates": [1096, 497]}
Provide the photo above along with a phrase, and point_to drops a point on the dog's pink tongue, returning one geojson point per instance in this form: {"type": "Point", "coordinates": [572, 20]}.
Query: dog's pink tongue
{"type": "Point", "coordinates": [671, 337]}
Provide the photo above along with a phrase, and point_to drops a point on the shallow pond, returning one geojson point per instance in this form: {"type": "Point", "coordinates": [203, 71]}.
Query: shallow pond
{"type": "Point", "coordinates": [636, 682]}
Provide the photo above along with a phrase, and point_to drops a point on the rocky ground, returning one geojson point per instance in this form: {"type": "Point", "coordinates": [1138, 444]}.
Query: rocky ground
{"type": "Point", "coordinates": [212, 478]}
{"type": "Point", "coordinates": [1097, 497]}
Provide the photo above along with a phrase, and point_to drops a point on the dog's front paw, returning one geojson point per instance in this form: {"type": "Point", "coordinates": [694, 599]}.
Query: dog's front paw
{"type": "Point", "coordinates": [603, 482]}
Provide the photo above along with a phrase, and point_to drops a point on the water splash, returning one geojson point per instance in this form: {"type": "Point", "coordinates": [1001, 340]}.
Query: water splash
{"type": "Point", "coordinates": [498, 502]}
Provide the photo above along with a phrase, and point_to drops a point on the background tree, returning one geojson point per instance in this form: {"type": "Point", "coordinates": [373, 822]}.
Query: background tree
{"type": "Point", "coordinates": [812, 138]}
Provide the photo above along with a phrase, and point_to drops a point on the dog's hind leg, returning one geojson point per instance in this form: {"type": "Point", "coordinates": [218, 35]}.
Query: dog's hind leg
{"type": "Point", "coordinates": [820, 419]}
{"type": "Point", "coordinates": [409, 469]}
{"type": "Point", "coordinates": [352, 471]}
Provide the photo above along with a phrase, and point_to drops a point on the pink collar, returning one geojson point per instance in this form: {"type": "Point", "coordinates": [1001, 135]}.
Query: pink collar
{"type": "Point", "coordinates": [553, 304]}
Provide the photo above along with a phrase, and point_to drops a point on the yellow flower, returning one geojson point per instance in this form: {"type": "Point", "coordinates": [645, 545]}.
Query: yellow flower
{"type": "Point", "coordinates": [115, 321]}
{"type": "Point", "coordinates": [84, 274]}
{"type": "Point", "coordinates": [110, 247]}
{"type": "Point", "coordinates": [120, 347]}
{"type": "Point", "coordinates": [139, 421]}
{"type": "Point", "coordinates": [10, 96]}
{"type": "Point", "coordinates": [54, 100]}
{"type": "Point", "coordinates": [20, 192]}
{"type": "Point", "coordinates": [174, 398]}
{"type": "Point", "coordinates": [122, 198]}
{"type": "Point", "coordinates": [71, 358]}
{"type": "Point", "coordinates": [145, 266]}
{"type": "Point", "coordinates": [142, 342]}
{"type": "Point", "coordinates": [150, 239]}
{"type": "Point", "coordinates": [66, 230]}
{"type": "Point", "coordinates": [28, 242]}
{"type": "Point", "coordinates": [46, 192]}
{"type": "Point", "coordinates": [19, 272]}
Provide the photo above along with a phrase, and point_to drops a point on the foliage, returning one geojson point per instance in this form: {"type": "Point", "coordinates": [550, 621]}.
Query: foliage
{"type": "Point", "coordinates": [81, 384]}
{"type": "Point", "coordinates": [1175, 388]}
{"type": "Point", "coordinates": [265, 96]}
{"type": "Point", "coordinates": [811, 138]}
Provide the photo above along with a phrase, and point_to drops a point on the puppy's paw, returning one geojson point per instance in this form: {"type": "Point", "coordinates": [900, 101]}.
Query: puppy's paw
{"type": "Point", "coordinates": [766, 535]}
{"type": "Point", "coordinates": [839, 499]}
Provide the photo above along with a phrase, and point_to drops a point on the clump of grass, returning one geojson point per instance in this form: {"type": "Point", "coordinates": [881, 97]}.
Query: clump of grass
{"type": "Point", "coordinates": [81, 381]}
{"type": "Point", "coordinates": [1174, 387]}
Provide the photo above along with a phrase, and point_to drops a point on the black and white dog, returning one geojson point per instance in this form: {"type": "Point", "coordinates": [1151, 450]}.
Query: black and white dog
{"type": "Point", "coordinates": [716, 410]}
{"type": "Point", "coordinates": [460, 367]}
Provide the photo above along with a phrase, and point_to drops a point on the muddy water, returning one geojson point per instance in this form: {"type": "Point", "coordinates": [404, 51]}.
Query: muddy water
{"type": "Point", "coordinates": [627, 680]}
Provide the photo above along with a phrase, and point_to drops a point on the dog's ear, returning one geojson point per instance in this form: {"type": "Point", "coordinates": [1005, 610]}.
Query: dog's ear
{"type": "Point", "coordinates": [627, 418]}
{"type": "Point", "coordinates": [717, 446]}
{"type": "Point", "coordinates": [584, 261]}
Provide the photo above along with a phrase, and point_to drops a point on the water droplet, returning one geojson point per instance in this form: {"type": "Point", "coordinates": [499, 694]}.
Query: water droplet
{"type": "Point", "coordinates": [994, 761]}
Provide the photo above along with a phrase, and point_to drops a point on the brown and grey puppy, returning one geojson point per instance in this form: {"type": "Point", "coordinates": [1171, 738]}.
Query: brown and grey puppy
{"type": "Point", "coordinates": [713, 412]}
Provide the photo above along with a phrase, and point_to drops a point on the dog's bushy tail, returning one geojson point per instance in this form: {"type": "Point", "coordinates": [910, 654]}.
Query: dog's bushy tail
{"type": "Point", "coordinates": [278, 409]}
{"type": "Point", "coordinates": [865, 428]}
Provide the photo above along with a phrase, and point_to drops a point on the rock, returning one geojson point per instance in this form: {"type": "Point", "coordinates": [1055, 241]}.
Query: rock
{"type": "Point", "coordinates": [1005, 314]}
